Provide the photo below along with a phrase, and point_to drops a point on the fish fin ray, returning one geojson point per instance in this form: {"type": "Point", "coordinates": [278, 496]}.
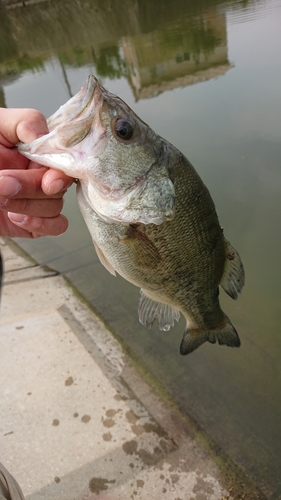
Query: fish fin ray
{"type": "Point", "coordinates": [224, 335]}
{"type": "Point", "coordinates": [144, 252]}
{"type": "Point", "coordinates": [104, 260]}
{"type": "Point", "coordinates": [150, 309]}
{"type": "Point", "coordinates": [233, 277]}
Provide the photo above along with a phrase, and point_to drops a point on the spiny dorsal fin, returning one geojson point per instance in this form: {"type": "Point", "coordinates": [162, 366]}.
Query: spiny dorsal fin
{"type": "Point", "coordinates": [150, 309]}
{"type": "Point", "coordinates": [233, 277]}
{"type": "Point", "coordinates": [224, 334]}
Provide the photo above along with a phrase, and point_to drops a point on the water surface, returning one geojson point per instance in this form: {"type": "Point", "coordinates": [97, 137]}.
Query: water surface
{"type": "Point", "coordinates": [207, 76]}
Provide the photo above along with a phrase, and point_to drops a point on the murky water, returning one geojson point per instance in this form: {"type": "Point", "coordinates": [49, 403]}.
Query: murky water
{"type": "Point", "coordinates": [207, 76]}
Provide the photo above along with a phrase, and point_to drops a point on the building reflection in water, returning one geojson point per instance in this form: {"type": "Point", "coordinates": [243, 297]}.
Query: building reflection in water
{"type": "Point", "coordinates": [155, 46]}
{"type": "Point", "coordinates": [187, 51]}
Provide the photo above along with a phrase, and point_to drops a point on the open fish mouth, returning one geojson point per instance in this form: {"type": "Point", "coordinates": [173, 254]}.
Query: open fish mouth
{"type": "Point", "coordinates": [68, 127]}
{"type": "Point", "coordinates": [76, 106]}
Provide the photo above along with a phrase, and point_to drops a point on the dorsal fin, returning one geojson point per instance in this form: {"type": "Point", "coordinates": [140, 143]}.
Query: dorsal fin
{"type": "Point", "coordinates": [233, 277]}
{"type": "Point", "coordinates": [150, 309]}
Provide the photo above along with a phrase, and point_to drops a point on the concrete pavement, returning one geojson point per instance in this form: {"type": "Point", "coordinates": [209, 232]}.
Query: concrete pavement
{"type": "Point", "coordinates": [77, 421]}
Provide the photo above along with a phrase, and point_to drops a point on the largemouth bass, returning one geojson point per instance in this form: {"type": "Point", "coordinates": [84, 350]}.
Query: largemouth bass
{"type": "Point", "coordinates": [150, 216]}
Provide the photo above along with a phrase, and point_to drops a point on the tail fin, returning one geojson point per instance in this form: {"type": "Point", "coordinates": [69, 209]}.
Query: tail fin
{"type": "Point", "coordinates": [225, 334]}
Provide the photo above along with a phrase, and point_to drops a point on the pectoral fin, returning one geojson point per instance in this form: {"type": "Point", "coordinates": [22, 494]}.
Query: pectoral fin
{"type": "Point", "coordinates": [233, 278]}
{"type": "Point", "coordinates": [142, 250]}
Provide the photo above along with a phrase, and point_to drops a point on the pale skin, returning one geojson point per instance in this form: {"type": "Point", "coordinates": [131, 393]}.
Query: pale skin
{"type": "Point", "coordinates": [31, 196]}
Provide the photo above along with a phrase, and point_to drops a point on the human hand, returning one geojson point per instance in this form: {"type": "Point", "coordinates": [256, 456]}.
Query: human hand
{"type": "Point", "coordinates": [31, 196]}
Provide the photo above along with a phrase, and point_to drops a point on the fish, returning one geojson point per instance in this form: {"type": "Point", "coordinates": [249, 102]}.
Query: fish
{"type": "Point", "coordinates": [151, 218]}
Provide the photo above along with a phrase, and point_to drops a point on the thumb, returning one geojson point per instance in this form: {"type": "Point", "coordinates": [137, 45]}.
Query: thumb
{"type": "Point", "coordinates": [23, 125]}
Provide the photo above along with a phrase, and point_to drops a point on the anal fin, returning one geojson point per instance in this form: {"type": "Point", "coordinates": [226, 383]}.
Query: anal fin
{"type": "Point", "coordinates": [150, 309]}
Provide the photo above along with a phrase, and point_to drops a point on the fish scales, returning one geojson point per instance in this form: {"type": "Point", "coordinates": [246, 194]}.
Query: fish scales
{"type": "Point", "coordinates": [150, 216]}
{"type": "Point", "coordinates": [180, 254]}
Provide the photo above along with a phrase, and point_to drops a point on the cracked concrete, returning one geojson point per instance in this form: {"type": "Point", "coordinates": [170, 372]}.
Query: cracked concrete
{"type": "Point", "coordinates": [77, 421]}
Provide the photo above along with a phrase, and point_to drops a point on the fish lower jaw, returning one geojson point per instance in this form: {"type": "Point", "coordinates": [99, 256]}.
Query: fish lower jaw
{"type": "Point", "coordinates": [61, 161]}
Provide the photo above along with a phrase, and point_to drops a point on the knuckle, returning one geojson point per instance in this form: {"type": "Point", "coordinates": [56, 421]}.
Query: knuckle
{"type": "Point", "coordinates": [33, 224]}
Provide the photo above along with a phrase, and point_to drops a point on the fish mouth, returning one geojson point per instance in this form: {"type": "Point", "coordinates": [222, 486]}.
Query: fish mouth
{"type": "Point", "coordinates": [76, 106]}
{"type": "Point", "coordinates": [68, 127]}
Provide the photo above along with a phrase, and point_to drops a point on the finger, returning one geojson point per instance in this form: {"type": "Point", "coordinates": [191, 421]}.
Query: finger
{"type": "Point", "coordinates": [7, 228]}
{"type": "Point", "coordinates": [21, 125]}
{"type": "Point", "coordinates": [25, 184]}
{"type": "Point", "coordinates": [54, 182]}
{"type": "Point", "coordinates": [42, 207]}
{"type": "Point", "coordinates": [10, 158]}
{"type": "Point", "coordinates": [40, 226]}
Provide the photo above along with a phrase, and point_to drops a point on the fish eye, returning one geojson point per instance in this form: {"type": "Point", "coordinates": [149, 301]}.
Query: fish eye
{"type": "Point", "coordinates": [124, 129]}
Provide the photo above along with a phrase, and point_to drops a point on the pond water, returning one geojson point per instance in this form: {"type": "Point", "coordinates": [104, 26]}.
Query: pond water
{"type": "Point", "coordinates": [206, 75]}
